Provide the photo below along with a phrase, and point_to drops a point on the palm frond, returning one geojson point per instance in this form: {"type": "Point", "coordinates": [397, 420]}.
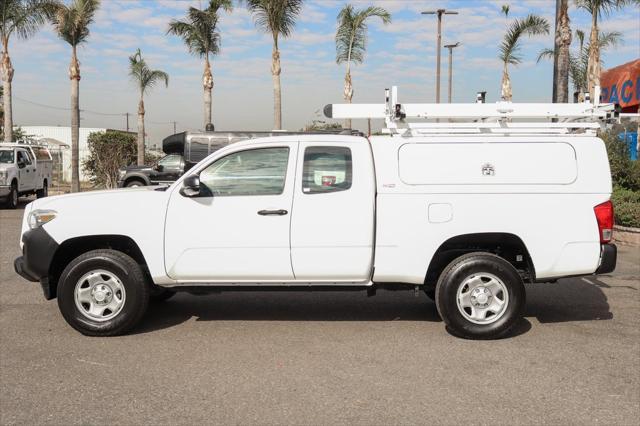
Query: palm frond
{"type": "Point", "coordinates": [510, 47]}
{"type": "Point", "coordinates": [277, 17]}
{"type": "Point", "coordinates": [545, 54]}
{"type": "Point", "coordinates": [24, 17]}
{"type": "Point", "coordinates": [144, 77]}
{"type": "Point", "coordinates": [351, 35]}
{"type": "Point", "coordinates": [198, 31]}
{"type": "Point", "coordinates": [603, 7]}
{"type": "Point", "coordinates": [72, 22]}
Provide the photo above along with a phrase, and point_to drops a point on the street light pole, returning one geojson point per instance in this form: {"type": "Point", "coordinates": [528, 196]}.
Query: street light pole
{"type": "Point", "coordinates": [451, 47]}
{"type": "Point", "coordinates": [439, 13]}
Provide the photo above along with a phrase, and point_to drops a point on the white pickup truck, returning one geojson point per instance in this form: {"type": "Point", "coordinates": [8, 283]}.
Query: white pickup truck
{"type": "Point", "coordinates": [466, 217]}
{"type": "Point", "coordinates": [24, 170]}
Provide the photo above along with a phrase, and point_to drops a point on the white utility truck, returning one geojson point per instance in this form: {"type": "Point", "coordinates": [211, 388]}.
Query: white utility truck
{"type": "Point", "coordinates": [467, 204]}
{"type": "Point", "coordinates": [24, 170]}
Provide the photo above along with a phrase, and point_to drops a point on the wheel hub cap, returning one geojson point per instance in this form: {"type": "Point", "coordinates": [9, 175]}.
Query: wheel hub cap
{"type": "Point", "coordinates": [99, 295]}
{"type": "Point", "coordinates": [482, 298]}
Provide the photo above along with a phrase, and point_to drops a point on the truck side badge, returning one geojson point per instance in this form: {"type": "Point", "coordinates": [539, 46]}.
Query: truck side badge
{"type": "Point", "coordinates": [488, 170]}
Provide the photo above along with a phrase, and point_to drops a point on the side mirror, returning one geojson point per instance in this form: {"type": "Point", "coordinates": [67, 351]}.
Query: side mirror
{"type": "Point", "coordinates": [191, 186]}
{"type": "Point", "coordinates": [159, 168]}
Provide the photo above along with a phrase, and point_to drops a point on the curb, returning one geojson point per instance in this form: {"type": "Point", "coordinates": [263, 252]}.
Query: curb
{"type": "Point", "coordinates": [626, 235]}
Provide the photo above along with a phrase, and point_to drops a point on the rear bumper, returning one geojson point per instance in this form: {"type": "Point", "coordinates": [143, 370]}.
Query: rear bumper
{"type": "Point", "coordinates": [37, 254]}
{"type": "Point", "coordinates": [608, 258]}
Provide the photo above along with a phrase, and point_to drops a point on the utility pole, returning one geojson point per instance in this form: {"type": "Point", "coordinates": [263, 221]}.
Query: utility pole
{"type": "Point", "coordinates": [451, 47]}
{"type": "Point", "coordinates": [439, 13]}
{"type": "Point", "coordinates": [127, 114]}
{"type": "Point", "coordinates": [174, 127]}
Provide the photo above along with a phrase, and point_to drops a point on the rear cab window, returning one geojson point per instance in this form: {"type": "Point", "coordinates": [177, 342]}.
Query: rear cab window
{"type": "Point", "coordinates": [326, 169]}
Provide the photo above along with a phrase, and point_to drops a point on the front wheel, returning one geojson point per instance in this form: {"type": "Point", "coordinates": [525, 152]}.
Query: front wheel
{"type": "Point", "coordinates": [103, 293]}
{"type": "Point", "coordinates": [480, 296]}
{"type": "Point", "coordinates": [12, 198]}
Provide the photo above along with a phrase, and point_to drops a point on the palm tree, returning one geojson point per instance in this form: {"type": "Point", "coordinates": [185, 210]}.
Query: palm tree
{"type": "Point", "coordinates": [578, 61]}
{"type": "Point", "coordinates": [276, 17]}
{"type": "Point", "coordinates": [145, 78]}
{"type": "Point", "coordinates": [510, 47]}
{"type": "Point", "coordinates": [199, 33]}
{"type": "Point", "coordinates": [561, 57]}
{"type": "Point", "coordinates": [72, 25]}
{"type": "Point", "coordinates": [598, 9]}
{"type": "Point", "coordinates": [351, 40]}
{"type": "Point", "coordinates": [22, 18]}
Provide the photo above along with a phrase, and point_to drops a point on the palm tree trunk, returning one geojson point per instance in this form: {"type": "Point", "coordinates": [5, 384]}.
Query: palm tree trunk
{"type": "Point", "coordinates": [348, 92]}
{"type": "Point", "coordinates": [74, 76]}
{"type": "Point", "coordinates": [506, 84]}
{"type": "Point", "coordinates": [207, 84]}
{"type": "Point", "coordinates": [141, 132]}
{"type": "Point", "coordinates": [561, 60]}
{"type": "Point", "coordinates": [593, 66]}
{"type": "Point", "coordinates": [277, 93]}
{"type": "Point", "coordinates": [7, 77]}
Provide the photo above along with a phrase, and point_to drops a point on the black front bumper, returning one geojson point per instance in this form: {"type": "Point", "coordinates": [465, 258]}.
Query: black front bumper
{"type": "Point", "coordinates": [608, 258]}
{"type": "Point", "coordinates": [37, 254]}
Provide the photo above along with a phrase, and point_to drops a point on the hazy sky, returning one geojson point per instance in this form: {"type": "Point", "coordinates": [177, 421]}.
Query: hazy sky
{"type": "Point", "coordinates": [401, 53]}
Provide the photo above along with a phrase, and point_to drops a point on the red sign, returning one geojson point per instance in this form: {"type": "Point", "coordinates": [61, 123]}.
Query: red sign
{"type": "Point", "coordinates": [621, 85]}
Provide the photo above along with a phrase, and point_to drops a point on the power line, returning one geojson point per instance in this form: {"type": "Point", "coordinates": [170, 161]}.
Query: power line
{"type": "Point", "coordinates": [119, 114]}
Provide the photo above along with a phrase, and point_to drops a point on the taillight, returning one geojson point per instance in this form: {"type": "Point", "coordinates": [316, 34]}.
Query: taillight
{"type": "Point", "coordinates": [604, 216]}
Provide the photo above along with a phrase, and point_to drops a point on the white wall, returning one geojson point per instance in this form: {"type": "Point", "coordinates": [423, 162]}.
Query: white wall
{"type": "Point", "coordinates": [63, 134]}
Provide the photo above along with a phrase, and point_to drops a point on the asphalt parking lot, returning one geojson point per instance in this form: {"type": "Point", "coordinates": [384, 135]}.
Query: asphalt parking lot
{"type": "Point", "coordinates": [321, 358]}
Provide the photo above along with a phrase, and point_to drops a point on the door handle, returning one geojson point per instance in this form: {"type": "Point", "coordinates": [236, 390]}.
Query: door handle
{"type": "Point", "coordinates": [280, 212]}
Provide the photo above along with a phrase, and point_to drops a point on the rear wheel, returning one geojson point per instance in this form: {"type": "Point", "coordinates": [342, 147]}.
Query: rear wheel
{"type": "Point", "coordinates": [44, 192]}
{"type": "Point", "coordinates": [103, 293]}
{"type": "Point", "coordinates": [480, 296]}
{"type": "Point", "coordinates": [12, 198]}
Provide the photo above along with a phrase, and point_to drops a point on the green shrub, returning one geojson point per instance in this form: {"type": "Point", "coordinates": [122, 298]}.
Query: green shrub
{"type": "Point", "coordinates": [108, 152]}
{"type": "Point", "coordinates": [624, 171]}
{"type": "Point", "coordinates": [626, 207]}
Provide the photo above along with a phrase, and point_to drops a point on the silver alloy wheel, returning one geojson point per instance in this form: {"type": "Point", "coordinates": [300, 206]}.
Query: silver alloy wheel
{"type": "Point", "coordinates": [99, 295]}
{"type": "Point", "coordinates": [482, 298]}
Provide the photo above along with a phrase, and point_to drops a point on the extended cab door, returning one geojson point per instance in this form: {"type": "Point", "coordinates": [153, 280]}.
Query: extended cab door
{"type": "Point", "coordinates": [240, 231]}
{"type": "Point", "coordinates": [333, 212]}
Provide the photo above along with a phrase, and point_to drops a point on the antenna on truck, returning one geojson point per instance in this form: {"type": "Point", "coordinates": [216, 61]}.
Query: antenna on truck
{"type": "Point", "coordinates": [479, 117]}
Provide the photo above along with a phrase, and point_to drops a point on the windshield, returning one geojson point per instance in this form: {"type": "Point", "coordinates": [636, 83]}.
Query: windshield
{"type": "Point", "coordinates": [6, 156]}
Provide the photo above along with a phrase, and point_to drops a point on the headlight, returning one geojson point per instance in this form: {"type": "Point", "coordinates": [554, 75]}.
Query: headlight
{"type": "Point", "coordinates": [37, 218]}
{"type": "Point", "coordinates": [3, 177]}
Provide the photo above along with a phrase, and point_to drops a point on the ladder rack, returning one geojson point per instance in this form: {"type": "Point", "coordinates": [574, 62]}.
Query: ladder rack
{"type": "Point", "coordinates": [471, 118]}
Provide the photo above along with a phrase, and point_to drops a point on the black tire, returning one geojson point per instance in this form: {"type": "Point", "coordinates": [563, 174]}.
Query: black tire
{"type": "Point", "coordinates": [44, 192]}
{"type": "Point", "coordinates": [159, 294]}
{"type": "Point", "coordinates": [130, 275]}
{"type": "Point", "coordinates": [457, 273]}
{"type": "Point", "coordinates": [12, 198]}
{"type": "Point", "coordinates": [135, 182]}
